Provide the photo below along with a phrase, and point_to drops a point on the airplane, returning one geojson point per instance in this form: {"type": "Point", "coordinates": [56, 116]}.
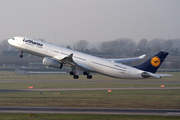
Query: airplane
{"type": "Point", "coordinates": [56, 56]}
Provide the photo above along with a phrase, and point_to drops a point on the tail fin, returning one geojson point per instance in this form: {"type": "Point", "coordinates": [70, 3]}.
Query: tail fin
{"type": "Point", "coordinates": [152, 64]}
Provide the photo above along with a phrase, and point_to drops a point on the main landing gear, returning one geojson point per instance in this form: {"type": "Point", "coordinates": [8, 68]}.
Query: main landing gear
{"type": "Point", "coordinates": [75, 76]}
{"type": "Point", "coordinates": [21, 54]}
{"type": "Point", "coordinates": [87, 73]}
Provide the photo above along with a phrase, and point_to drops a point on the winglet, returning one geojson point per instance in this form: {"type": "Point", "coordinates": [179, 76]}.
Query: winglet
{"type": "Point", "coordinates": [142, 56]}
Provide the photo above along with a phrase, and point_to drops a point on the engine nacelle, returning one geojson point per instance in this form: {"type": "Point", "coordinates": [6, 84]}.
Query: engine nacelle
{"type": "Point", "coordinates": [52, 63]}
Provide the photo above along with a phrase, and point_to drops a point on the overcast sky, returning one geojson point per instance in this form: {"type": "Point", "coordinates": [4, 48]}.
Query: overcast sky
{"type": "Point", "coordinates": [68, 21]}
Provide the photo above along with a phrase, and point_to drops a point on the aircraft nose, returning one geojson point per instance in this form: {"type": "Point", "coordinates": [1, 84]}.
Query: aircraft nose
{"type": "Point", "coordinates": [9, 41]}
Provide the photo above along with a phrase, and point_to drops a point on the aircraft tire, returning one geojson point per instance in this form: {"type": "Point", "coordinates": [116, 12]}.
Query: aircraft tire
{"type": "Point", "coordinates": [20, 56]}
{"type": "Point", "coordinates": [89, 76]}
{"type": "Point", "coordinates": [71, 73]}
{"type": "Point", "coordinates": [85, 73]}
{"type": "Point", "coordinates": [76, 76]}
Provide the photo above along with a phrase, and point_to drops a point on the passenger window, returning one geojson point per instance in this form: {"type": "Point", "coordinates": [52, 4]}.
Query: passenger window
{"type": "Point", "coordinates": [13, 38]}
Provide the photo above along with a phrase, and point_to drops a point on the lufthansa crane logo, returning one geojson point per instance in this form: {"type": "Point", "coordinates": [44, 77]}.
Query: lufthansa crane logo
{"type": "Point", "coordinates": [155, 61]}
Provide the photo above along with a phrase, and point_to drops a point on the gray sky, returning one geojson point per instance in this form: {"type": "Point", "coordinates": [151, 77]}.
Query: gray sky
{"type": "Point", "coordinates": [93, 20]}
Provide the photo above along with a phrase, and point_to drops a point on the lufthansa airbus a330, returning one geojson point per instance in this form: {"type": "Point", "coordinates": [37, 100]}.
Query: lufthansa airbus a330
{"type": "Point", "coordinates": [56, 56]}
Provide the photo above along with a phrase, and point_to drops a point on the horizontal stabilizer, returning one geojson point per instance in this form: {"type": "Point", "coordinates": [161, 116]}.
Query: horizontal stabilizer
{"type": "Point", "coordinates": [164, 74]}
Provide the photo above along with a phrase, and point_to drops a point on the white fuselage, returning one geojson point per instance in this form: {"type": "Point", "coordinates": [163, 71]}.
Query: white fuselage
{"type": "Point", "coordinates": [88, 62]}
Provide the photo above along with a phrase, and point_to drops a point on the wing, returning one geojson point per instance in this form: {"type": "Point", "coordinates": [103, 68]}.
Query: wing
{"type": "Point", "coordinates": [121, 60]}
{"type": "Point", "coordinates": [68, 61]}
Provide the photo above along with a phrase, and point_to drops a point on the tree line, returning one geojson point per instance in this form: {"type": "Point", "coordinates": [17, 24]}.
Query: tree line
{"type": "Point", "coordinates": [130, 47]}
{"type": "Point", "coordinates": [120, 46]}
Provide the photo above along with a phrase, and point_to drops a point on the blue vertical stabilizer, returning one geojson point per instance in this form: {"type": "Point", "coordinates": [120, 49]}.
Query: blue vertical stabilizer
{"type": "Point", "coordinates": [152, 64]}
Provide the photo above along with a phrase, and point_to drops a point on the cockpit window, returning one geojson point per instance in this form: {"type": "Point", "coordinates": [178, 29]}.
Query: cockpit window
{"type": "Point", "coordinates": [13, 38]}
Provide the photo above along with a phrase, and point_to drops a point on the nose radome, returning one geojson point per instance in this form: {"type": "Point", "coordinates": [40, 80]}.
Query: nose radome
{"type": "Point", "coordinates": [9, 41]}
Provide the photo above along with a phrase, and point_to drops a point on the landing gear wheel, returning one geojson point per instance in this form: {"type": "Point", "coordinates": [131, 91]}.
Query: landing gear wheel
{"type": "Point", "coordinates": [85, 73]}
{"type": "Point", "coordinates": [89, 76]}
{"type": "Point", "coordinates": [76, 76]}
{"type": "Point", "coordinates": [71, 73]}
{"type": "Point", "coordinates": [20, 56]}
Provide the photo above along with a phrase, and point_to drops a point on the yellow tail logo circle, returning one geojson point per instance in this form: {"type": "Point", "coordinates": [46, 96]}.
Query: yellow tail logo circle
{"type": "Point", "coordinates": [155, 61]}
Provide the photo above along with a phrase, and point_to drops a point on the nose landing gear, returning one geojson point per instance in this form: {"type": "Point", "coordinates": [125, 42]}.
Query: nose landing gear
{"type": "Point", "coordinates": [21, 54]}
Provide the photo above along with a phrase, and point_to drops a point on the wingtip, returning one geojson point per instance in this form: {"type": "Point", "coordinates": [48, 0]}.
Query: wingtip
{"type": "Point", "coordinates": [142, 56]}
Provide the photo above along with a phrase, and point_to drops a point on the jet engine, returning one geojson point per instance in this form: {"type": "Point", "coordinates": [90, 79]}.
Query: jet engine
{"type": "Point", "coordinates": [52, 63]}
